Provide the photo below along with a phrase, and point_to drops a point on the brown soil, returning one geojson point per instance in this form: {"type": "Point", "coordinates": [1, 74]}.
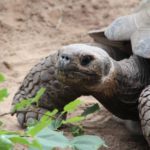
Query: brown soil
{"type": "Point", "coordinates": [32, 29]}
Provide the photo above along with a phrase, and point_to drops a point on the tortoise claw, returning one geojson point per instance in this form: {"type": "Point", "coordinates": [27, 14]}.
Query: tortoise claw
{"type": "Point", "coordinates": [29, 116]}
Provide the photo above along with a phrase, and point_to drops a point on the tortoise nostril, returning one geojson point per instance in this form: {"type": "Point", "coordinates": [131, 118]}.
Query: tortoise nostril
{"type": "Point", "coordinates": [85, 60]}
{"type": "Point", "coordinates": [65, 57]}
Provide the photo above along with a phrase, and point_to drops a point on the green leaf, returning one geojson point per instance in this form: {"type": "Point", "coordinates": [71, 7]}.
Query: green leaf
{"type": "Point", "coordinates": [77, 130]}
{"type": "Point", "coordinates": [35, 145]}
{"type": "Point", "coordinates": [38, 95]}
{"type": "Point", "coordinates": [5, 143]}
{"type": "Point", "coordinates": [38, 127]}
{"type": "Point", "coordinates": [20, 140]}
{"type": "Point", "coordinates": [2, 78]}
{"type": "Point", "coordinates": [11, 138]}
{"type": "Point", "coordinates": [74, 119]}
{"type": "Point", "coordinates": [87, 142]}
{"type": "Point", "coordinates": [45, 121]}
{"type": "Point", "coordinates": [26, 141]}
{"type": "Point", "coordinates": [8, 132]}
{"type": "Point", "coordinates": [50, 139]}
{"type": "Point", "coordinates": [91, 109]}
{"type": "Point", "coordinates": [25, 103]}
{"type": "Point", "coordinates": [49, 115]}
{"type": "Point", "coordinates": [3, 94]}
{"type": "Point", "coordinates": [22, 105]}
{"type": "Point", "coordinates": [55, 124]}
{"type": "Point", "coordinates": [72, 106]}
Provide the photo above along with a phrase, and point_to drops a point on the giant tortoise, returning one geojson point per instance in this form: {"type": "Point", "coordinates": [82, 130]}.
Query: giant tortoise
{"type": "Point", "coordinates": [117, 76]}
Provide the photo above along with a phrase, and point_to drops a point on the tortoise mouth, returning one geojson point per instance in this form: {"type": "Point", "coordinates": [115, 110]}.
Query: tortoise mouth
{"type": "Point", "coordinates": [72, 76]}
{"type": "Point", "coordinates": [74, 71]}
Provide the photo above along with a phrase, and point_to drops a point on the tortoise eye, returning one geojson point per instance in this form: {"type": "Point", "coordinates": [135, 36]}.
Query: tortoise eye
{"type": "Point", "coordinates": [85, 60]}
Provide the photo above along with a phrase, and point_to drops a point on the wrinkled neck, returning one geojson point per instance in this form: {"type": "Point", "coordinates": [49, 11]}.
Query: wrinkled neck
{"type": "Point", "coordinates": [127, 74]}
{"type": "Point", "coordinates": [119, 92]}
{"type": "Point", "coordinates": [134, 71]}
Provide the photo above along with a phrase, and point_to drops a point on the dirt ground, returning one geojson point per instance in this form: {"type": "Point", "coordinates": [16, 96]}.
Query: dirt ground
{"type": "Point", "coordinates": [32, 29]}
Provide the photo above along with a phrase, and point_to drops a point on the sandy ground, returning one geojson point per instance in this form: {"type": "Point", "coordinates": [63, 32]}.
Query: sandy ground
{"type": "Point", "coordinates": [32, 29]}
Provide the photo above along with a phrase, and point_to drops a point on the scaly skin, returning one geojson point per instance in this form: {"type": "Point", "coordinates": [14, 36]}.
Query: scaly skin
{"type": "Point", "coordinates": [144, 112]}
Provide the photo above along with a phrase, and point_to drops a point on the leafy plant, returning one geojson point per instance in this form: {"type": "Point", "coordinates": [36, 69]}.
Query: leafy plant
{"type": "Point", "coordinates": [45, 134]}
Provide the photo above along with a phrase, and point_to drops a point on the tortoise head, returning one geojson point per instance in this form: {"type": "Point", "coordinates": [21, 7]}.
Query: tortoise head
{"type": "Point", "coordinates": [83, 65]}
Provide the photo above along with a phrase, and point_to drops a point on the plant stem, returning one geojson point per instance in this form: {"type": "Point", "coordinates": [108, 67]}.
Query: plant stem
{"type": "Point", "coordinates": [25, 111]}
{"type": "Point", "coordinates": [4, 114]}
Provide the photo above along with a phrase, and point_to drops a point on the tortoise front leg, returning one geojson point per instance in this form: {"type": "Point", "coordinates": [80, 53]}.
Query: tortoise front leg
{"type": "Point", "coordinates": [30, 115]}
{"type": "Point", "coordinates": [57, 94]}
{"type": "Point", "coordinates": [144, 112]}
